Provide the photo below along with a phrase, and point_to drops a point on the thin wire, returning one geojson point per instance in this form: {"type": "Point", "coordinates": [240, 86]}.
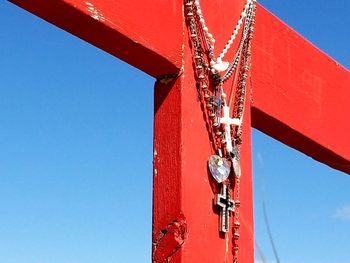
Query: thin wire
{"type": "Point", "coordinates": [249, 226]}
{"type": "Point", "coordinates": [266, 218]}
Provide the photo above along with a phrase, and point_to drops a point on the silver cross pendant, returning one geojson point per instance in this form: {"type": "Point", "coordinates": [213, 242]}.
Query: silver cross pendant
{"type": "Point", "coordinates": [227, 121]}
{"type": "Point", "coordinates": [226, 205]}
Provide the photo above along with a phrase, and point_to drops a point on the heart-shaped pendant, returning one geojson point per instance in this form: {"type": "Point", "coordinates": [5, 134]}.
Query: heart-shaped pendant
{"type": "Point", "coordinates": [219, 168]}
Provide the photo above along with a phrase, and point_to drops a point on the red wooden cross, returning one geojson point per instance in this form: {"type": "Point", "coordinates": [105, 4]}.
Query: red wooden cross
{"type": "Point", "coordinates": [299, 96]}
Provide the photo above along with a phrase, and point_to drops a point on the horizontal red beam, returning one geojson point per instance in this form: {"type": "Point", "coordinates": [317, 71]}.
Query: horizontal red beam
{"type": "Point", "coordinates": [301, 96]}
{"type": "Point", "coordinates": [137, 32]}
{"type": "Point", "coordinates": [299, 93]}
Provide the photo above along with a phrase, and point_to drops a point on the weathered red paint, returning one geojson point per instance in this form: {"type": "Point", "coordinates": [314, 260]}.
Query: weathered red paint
{"type": "Point", "coordinates": [182, 185]}
{"type": "Point", "coordinates": [298, 96]}
{"type": "Point", "coordinates": [169, 240]}
{"type": "Point", "coordinates": [303, 82]}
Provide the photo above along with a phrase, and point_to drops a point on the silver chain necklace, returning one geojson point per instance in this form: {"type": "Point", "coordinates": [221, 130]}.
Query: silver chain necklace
{"type": "Point", "coordinates": [212, 73]}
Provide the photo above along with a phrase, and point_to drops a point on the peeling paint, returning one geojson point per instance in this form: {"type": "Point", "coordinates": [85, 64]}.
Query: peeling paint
{"type": "Point", "coordinates": [94, 12]}
{"type": "Point", "coordinates": [167, 78]}
{"type": "Point", "coordinates": [169, 240]}
{"type": "Point", "coordinates": [155, 155]}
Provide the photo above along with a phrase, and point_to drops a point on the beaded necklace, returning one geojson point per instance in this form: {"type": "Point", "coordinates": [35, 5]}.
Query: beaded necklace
{"type": "Point", "coordinates": [211, 75]}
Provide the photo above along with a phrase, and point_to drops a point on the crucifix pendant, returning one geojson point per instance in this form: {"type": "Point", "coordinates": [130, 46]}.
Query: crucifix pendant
{"type": "Point", "coordinates": [227, 121]}
{"type": "Point", "coordinates": [226, 205]}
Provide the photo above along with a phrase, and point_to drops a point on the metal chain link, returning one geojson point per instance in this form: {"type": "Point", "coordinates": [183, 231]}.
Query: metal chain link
{"type": "Point", "coordinates": [210, 89]}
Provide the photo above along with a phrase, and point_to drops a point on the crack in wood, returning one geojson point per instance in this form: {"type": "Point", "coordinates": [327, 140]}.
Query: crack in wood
{"type": "Point", "coordinates": [167, 78]}
{"type": "Point", "coordinates": [170, 240]}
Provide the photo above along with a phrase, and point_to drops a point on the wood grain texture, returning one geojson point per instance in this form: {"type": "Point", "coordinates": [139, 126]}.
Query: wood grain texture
{"type": "Point", "coordinates": [300, 95]}
{"type": "Point", "coordinates": [185, 222]}
{"type": "Point", "coordinates": [134, 31]}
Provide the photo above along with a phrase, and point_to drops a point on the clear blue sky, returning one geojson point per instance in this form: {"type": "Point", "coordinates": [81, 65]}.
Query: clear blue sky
{"type": "Point", "coordinates": [68, 162]}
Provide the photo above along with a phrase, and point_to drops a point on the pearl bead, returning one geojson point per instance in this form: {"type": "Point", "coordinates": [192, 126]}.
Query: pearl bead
{"type": "Point", "coordinates": [249, 5]}
{"type": "Point", "coordinates": [220, 67]}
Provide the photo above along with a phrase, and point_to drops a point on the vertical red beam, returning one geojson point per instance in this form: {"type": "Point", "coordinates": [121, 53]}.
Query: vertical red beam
{"type": "Point", "coordinates": [185, 222]}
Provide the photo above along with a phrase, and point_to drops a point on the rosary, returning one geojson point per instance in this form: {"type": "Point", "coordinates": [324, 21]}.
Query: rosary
{"type": "Point", "coordinates": [212, 73]}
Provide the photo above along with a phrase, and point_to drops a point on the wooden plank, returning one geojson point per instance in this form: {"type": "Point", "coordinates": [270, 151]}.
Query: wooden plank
{"type": "Point", "coordinates": [308, 89]}
{"type": "Point", "coordinates": [135, 31]}
{"type": "Point", "coordinates": [185, 222]}
{"type": "Point", "coordinates": [300, 95]}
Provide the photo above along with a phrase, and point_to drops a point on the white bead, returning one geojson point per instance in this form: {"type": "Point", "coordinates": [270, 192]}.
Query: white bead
{"type": "Point", "coordinates": [223, 95]}
{"type": "Point", "coordinates": [212, 40]}
{"type": "Point", "coordinates": [205, 29]}
{"type": "Point", "coordinates": [235, 32]}
{"type": "Point", "coordinates": [199, 11]}
{"type": "Point", "coordinates": [201, 20]}
{"type": "Point", "coordinates": [212, 63]}
{"type": "Point", "coordinates": [210, 35]}
{"type": "Point", "coordinates": [213, 71]}
{"type": "Point", "coordinates": [244, 13]}
{"type": "Point", "coordinates": [240, 22]}
{"type": "Point", "coordinates": [230, 42]}
{"type": "Point", "coordinates": [222, 66]}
